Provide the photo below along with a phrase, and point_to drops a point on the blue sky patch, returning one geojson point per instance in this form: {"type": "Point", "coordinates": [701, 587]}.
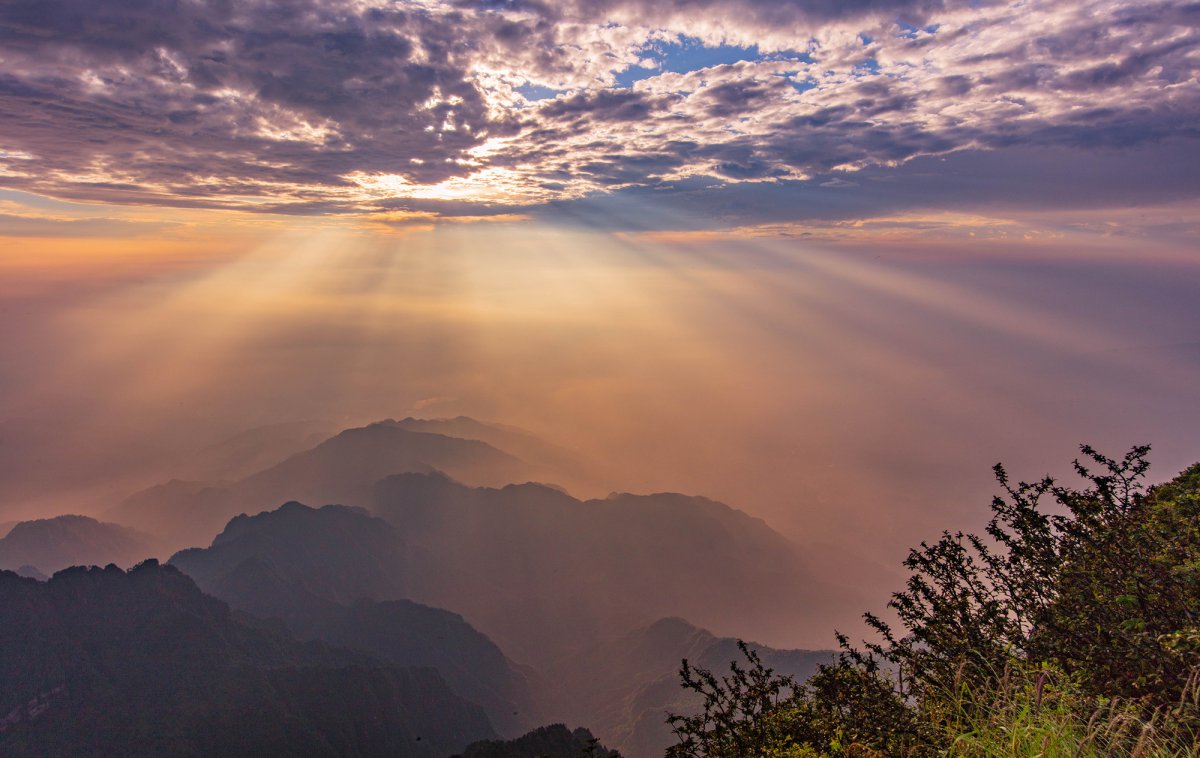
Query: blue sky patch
{"type": "Point", "coordinates": [534, 92]}
{"type": "Point", "coordinates": [869, 66]}
{"type": "Point", "coordinates": [804, 85]}
{"type": "Point", "coordinates": [691, 54]}
{"type": "Point", "coordinates": [908, 31]}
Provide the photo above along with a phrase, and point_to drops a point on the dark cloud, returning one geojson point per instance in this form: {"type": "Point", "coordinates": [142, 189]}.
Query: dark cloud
{"type": "Point", "coordinates": [1014, 179]}
{"type": "Point", "coordinates": [247, 98]}
{"type": "Point", "coordinates": [313, 106]}
{"type": "Point", "coordinates": [734, 98]}
{"type": "Point", "coordinates": [607, 105]}
{"type": "Point", "coordinates": [12, 225]}
{"type": "Point", "coordinates": [756, 12]}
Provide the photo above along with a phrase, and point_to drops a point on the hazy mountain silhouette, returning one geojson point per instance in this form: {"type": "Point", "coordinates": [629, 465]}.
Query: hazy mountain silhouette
{"type": "Point", "coordinates": [178, 513]}
{"type": "Point", "coordinates": [553, 741]}
{"type": "Point", "coordinates": [6, 527]}
{"type": "Point", "coordinates": [535, 569]}
{"type": "Point", "coordinates": [31, 572]}
{"type": "Point", "coordinates": [553, 579]}
{"type": "Point", "coordinates": [323, 571]}
{"type": "Point", "coordinates": [342, 469]}
{"type": "Point", "coordinates": [552, 463]}
{"type": "Point", "coordinates": [59, 465]}
{"type": "Point", "coordinates": [254, 450]}
{"type": "Point", "coordinates": [625, 686]}
{"type": "Point", "coordinates": [540, 571]}
{"type": "Point", "coordinates": [56, 543]}
{"type": "Point", "coordinates": [285, 560]}
{"type": "Point", "coordinates": [104, 662]}
{"type": "Point", "coordinates": [531, 567]}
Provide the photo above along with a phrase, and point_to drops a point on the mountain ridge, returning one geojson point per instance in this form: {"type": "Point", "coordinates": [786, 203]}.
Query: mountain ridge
{"type": "Point", "coordinates": [104, 661]}
{"type": "Point", "coordinates": [55, 543]}
{"type": "Point", "coordinates": [340, 469]}
{"type": "Point", "coordinates": [536, 541]}
{"type": "Point", "coordinates": [337, 574]}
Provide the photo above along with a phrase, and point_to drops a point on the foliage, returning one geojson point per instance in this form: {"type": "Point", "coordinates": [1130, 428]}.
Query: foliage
{"type": "Point", "coordinates": [853, 707]}
{"type": "Point", "coordinates": [1128, 600]}
{"type": "Point", "coordinates": [742, 712]}
{"type": "Point", "coordinates": [849, 707]}
{"type": "Point", "coordinates": [1042, 711]}
{"type": "Point", "coordinates": [1071, 626]}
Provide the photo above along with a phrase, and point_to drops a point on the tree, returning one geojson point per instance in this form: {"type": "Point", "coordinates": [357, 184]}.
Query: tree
{"type": "Point", "coordinates": [741, 711]}
{"type": "Point", "coordinates": [850, 707]}
{"type": "Point", "coordinates": [1099, 583]}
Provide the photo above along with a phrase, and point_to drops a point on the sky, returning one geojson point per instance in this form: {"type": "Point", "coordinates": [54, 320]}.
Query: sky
{"type": "Point", "coordinates": [827, 261]}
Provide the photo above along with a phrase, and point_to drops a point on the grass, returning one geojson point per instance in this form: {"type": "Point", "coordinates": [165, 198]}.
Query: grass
{"type": "Point", "coordinates": [1041, 712]}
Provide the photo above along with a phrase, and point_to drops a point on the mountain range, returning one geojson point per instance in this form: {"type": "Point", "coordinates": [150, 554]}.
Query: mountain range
{"type": "Point", "coordinates": [342, 469]}
{"type": "Point", "coordinates": [505, 556]}
{"type": "Point", "coordinates": [338, 574]}
{"type": "Point", "coordinates": [535, 569]}
{"type": "Point", "coordinates": [540, 571]}
{"type": "Point", "coordinates": [105, 662]}
{"type": "Point", "coordinates": [56, 543]}
{"type": "Point", "coordinates": [430, 548]}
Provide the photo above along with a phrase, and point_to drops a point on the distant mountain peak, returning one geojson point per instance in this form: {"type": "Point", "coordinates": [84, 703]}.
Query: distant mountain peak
{"type": "Point", "coordinates": [54, 543]}
{"type": "Point", "coordinates": [302, 516]}
{"type": "Point", "coordinates": [434, 476]}
{"type": "Point", "coordinates": [31, 572]}
{"type": "Point", "coordinates": [528, 486]}
{"type": "Point", "coordinates": [342, 468]}
{"type": "Point", "coordinates": [672, 625]}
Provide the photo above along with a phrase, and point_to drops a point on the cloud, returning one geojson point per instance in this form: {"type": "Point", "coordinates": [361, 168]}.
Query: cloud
{"type": "Point", "coordinates": [1036, 178]}
{"type": "Point", "coordinates": [200, 103]}
{"type": "Point", "coordinates": [315, 107]}
{"type": "Point", "coordinates": [20, 225]}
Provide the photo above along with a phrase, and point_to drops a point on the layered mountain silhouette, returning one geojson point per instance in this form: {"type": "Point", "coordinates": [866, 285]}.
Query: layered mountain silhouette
{"type": "Point", "coordinates": [336, 574]}
{"type": "Point", "coordinates": [49, 545]}
{"type": "Point", "coordinates": [535, 569]}
{"type": "Point", "coordinates": [254, 450]}
{"type": "Point", "coordinates": [179, 513]}
{"type": "Point", "coordinates": [542, 572]}
{"type": "Point", "coordinates": [343, 469]}
{"type": "Point", "coordinates": [515, 597]}
{"type": "Point", "coordinates": [550, 462]}
{"type": "Point", "coordinates": [31, 572]}
{"type": "Point", "coordinates": [104, 662]}
{"type": "Point", "coordinates": [285, 561]}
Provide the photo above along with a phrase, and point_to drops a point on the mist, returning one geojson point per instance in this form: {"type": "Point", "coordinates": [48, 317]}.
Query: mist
{"type": "Point", "coordinates": [855, 398]}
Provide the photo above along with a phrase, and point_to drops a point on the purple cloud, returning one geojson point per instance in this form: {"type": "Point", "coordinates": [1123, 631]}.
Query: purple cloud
{"type": "Point", "coordinates": [326, 107]}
